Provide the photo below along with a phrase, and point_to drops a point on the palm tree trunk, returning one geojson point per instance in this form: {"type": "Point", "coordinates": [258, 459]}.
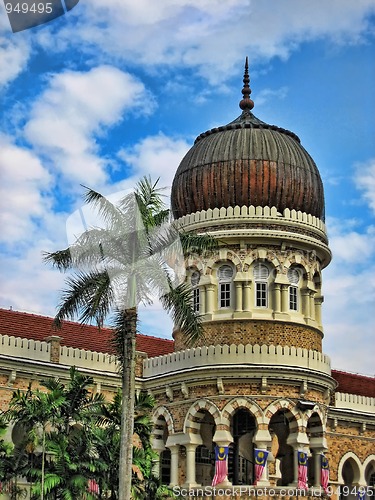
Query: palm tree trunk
{"type": "Point", "coordinates": [129, 328]}
{"type": "Point", "coordinates": [43, 458]}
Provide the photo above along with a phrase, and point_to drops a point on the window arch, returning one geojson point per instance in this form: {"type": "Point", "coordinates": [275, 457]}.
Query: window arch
{"type": "Point", "coordinates": [225, 274]}
{"type": "Point", "coordinates": [293, 278]}
{"type": "Point", "coordinates": [261, 276]}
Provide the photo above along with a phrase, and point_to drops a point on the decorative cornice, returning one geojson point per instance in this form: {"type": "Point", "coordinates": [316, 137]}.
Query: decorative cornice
{"type": "Point", "coordinates": [225, 355]}
{"type": "Point", "coordinates": [252, 214]}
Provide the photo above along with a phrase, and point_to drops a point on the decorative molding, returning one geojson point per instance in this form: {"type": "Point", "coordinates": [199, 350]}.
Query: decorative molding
{"type": "Point", "coordinates": [184, 390]}
{"type": "Point", "coordinates": [220, 385]}
{"type": "Point", "coordinates": [169, 393]}
{"type": "Point", "coordinates": [240, 214]}
{"type": "Point", "coordinates": [12, 378]}
{"type": "Point", "coordinates": [236, 355]}
{"type": "Point", "coordinates": [354, 402]}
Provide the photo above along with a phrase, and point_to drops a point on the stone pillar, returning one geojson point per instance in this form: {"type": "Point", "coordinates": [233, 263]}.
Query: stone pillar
{"type": "Point", "coordinates": [247, 297]}
{"type": "Point", "coordinates": [210, 298]}
{"type": "Point", "coordinates": [295, 465]}
{"type": "Point", "coordinates": [174, 464]}
{"type": "Point", "coordinates": [190, 465]}
{"type": "Point", "coordinates": [318, 309]}
{"type": "Point", "coordinates": [317, 468]}
{"type": "Point", "coordinates": [285, 298]}
{"type": "Point", "coordinates": [312, 304]}
{"type": "Point", "coordinates": [156, 465]}
{"type": "Point", "coordinates": [54, 342]}
{"type": "Point", "coordinates": [202, 297]}
{"type": "Point", "coordinates": [239, 307]}
{"type": "Point", "coordinates": [277, 297]}
{"type": "Point", "coordinates": [305, 303]}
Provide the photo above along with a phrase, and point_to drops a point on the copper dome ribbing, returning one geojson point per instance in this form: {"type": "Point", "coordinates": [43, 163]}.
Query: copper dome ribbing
{"type": "Point", "coordinates": [247, 162]}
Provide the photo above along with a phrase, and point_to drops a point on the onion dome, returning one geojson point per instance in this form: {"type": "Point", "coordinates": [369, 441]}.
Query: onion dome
{"type": "Point", "coordinates": [247, 162]}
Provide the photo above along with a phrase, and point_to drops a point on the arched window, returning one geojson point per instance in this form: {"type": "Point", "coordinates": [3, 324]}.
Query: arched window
{"type": "Point", "coordinates": [293, 277]}
{"type": "Point", "coordinates": [261, 274]}
{"type": "Point", "coordinates": [195, 277]}
{"type": "Point", "coordinates": [225, 274]}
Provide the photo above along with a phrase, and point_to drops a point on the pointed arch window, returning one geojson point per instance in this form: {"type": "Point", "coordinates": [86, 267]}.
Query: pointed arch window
{"type": "Point", "coordinates": [225, 275]}
{"type": "Point", "coordinates": [261, 275]}
{"type": "Point", "coordinates": [293, 278]}
{"type": "Point", "coordinates": [195, 278]}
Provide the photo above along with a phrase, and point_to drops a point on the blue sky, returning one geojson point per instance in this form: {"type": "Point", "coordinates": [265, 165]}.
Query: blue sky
{"type": "Point", "coordinates": [117, 89]}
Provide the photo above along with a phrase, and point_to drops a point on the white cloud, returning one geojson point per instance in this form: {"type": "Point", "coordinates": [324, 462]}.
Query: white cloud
{"type": "Point", "coordinates": [349, 289]}
{"type": "Point", "coordinates": [24, 182]}
{"type": "Point", "coordinates": [365, 181]}
{"type": "Point", "coordinates": [15, 51]}
{"type": "Point", "coordinates": [270, 94]}
{"type": "Point", "coordinates": [201, 34]}
{"type": "Point", "coordinates": [28, 284]}
{"type": "Point", "coordinates": [157, 156]}
{"type": "Point", "coordinates": [75, 109]}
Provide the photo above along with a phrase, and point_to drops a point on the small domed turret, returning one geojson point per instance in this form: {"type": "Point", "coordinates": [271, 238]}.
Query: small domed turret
{"type": "Point", "coordinates": [247, 162]}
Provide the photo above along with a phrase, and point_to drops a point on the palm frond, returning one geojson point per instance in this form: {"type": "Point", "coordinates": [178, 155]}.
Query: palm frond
{"type": "Point", "coordinates": [62, 259]}
{"type": "Point", "coordinates": [178, 303]}
{"type": "Point", "coordinates": [109, 212]}
{"type": "Point", "coordinates": [88, 296]}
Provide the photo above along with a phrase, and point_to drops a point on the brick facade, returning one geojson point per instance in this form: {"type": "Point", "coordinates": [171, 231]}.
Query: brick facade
{"type": "Point", "coordinates": [256, 332]}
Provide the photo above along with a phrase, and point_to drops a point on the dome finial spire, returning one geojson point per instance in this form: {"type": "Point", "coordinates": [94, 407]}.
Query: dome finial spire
{"type": "Point", "coordinates": [246, 104]}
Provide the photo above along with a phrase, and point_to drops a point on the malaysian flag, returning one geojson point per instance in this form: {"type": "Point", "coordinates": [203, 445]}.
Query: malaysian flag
{"type": "Point", "coordinates": [324, 472]}
{"type": "Point", "coordinates": [221, 465]}
{"type": "Point", "coordinates": [260, 462]}
{"type": "Point", "coordinates": [93, 487]}
{"type": "Point", "coordinates": [361, 493]}
{"type": "Point", "coordinates": [302, 470]}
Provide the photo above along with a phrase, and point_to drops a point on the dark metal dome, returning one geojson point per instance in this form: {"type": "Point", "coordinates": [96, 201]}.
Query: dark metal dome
{"type": "Point", "coordinates": [247, 162]}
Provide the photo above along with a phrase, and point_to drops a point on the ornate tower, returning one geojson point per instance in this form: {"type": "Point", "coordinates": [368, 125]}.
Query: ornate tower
{"type": "Point", "coordinates": [258, 379]}
{"type": "Point", "coordinates": [255, 188]}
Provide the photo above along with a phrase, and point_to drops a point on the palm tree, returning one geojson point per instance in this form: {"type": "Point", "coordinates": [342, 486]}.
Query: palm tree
{"type": "Point", "coordinates": [59, 421]}
{"type": "Point", "coordinates": [117, 268]}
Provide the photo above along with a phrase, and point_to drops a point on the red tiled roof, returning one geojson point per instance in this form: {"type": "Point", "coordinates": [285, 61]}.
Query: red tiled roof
{"type": "Point", "coordinates": [352, 383]}
{"type": "Point", "coordinates": [32, 326]}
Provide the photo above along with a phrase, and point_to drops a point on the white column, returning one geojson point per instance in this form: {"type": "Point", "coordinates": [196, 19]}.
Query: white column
{"type": "Point", "coordinates": [174, 464]}
{"type": "Point", "coordinates": [284, 298]}
{"type": "Point", "coordinates": [295, 465]}
{"type": "Point", "coordinates": [202, 296]}
{"type": "Point", "coordinates": [318, 309]}
{"type": "Point", "coordinates": [210, 298]}
{"type": "Point", "coordinates": [305, 303]}
{"type": "Point", "coordinates": [317, 468]}
{"type": "Point", "coordinates": [312, 304]}
{"type": "Point", "coordinates": [238, 286]}
{"type": "Point", "coordinates": [190, 465]}
{"type": "Point", "coordinates": [247, 297]}
{"type": "Point", "coordinates": [156, 467]}
{"type": "Point", "coordinates": [277, 297]}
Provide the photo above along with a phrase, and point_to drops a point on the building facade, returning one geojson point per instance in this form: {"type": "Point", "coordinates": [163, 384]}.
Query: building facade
{"type": "Point", "coordinates": [259, 379]}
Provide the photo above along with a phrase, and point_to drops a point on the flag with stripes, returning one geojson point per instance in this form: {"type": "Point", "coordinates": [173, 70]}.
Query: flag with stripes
{"type": "Point", "coordinates": [361, 493]}
{"type": "Point", "coordinates": [221, 465]}
{"type": "Point", "coordinates": [302, 470]}
{"type": "Point", "coordinates": [260, 462]}
{"type": "Point", "coordinates": [324, 472]}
